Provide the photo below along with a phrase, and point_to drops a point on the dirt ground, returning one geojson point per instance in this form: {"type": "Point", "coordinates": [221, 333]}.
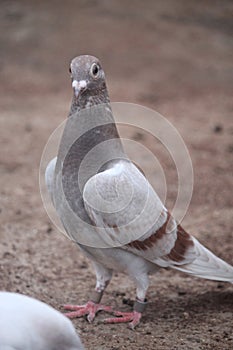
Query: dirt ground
{"type": "Point", "coordinates": [172, 56]}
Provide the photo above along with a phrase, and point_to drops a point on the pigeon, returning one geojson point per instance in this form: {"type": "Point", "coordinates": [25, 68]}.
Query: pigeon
{"type": "Point", "coordinates": [99, 194]}
{"type": "Point", "coordinates": [27, 323]}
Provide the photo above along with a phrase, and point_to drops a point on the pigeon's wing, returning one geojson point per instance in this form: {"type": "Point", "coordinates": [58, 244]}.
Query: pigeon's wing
{"type": "Point", "coordinates": [121, 202]}
{"type": "Point", "coordinates": [124, 207]}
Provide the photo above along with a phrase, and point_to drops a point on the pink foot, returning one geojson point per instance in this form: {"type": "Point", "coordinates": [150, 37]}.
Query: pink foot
{"type": "Point", "coordinates": [89, 309]}
{"type": "Point", "coordinates": [132, 317]}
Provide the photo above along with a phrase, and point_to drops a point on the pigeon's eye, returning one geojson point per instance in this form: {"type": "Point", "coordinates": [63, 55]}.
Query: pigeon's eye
{"type": "Point", "coordinates": [95, 70]}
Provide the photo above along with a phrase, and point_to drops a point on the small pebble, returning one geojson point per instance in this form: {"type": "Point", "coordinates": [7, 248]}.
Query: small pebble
{"type": "Point", "coordinates": [127, 301]}
{"type": "Point", "coordinates": [218, 128]}
{"type": "Point", "coordinates": [182, 292]}
{"type": "Point", "coordinates": [49, 229]}
{"type": "Point", "coordinates": [230, 148]}
{"type": "Point", "coordinates": [138, 136]}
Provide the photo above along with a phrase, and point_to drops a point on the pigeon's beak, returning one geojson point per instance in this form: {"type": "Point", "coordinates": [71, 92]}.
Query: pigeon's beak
{"type": "Point", "coordinates": [79, 86]}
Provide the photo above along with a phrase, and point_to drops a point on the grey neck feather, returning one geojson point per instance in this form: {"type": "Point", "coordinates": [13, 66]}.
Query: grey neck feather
{"type": "Point", "coordinates": [90, 142]}
{"type": "Point", "coordinates": [87, 100]}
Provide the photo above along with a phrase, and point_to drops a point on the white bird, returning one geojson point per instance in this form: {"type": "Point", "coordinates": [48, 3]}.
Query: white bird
{"type": "Point", "coordinates": [29, 324]}
{"type": "Point", "coordinates": [90, 178]}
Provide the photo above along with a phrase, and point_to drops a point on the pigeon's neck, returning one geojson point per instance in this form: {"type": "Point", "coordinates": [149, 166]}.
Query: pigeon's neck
{"type": "Point", "coordinates": [90, 137]}
{"type": "Point", "coordinates": [87, 100]}
{"type": "Point", "coordinates": [89, 142]}
{"type": "Point", "coordinates": [91, 122]}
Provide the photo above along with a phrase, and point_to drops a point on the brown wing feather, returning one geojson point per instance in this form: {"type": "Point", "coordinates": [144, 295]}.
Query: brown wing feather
{"type": "Point", "coordinates": [183, 243]}
{"type": "Point", "coordinates": [152, 240]}
{"type": "Point", "coordinates": [179, 241]}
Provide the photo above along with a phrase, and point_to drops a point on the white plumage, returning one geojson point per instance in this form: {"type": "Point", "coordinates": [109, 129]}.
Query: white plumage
{"type": "Point", "coordinates": [29, 324]}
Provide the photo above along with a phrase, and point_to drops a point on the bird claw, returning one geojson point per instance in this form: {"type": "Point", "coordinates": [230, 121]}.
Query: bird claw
{"type": "Point", "coordinates": [132, 317]}
{"type": "Point", "coordinates": [90, 309]}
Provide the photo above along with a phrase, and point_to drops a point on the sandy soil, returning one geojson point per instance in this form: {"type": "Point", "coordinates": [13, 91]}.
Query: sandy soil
{"type": "Point", "coordinates": [172, 56]}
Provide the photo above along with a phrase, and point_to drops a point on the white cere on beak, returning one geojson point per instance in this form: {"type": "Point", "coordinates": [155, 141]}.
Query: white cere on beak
{"type": "Point", "coordinates": [83, 84]}
{"type": "Point", "coordinates": [78, 86]}
{"type": "Point", "coordinates": [74, 84]}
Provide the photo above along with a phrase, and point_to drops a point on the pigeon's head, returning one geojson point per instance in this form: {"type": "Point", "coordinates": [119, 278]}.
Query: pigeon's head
{"type": "Point", "coordinates": [87, 76]}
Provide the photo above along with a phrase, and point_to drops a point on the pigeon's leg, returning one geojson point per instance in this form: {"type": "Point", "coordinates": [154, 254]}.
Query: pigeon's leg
{"type": "Point", "coordinates": [142, 283]}
{"type": "Point", "coordinates": [103, 277]}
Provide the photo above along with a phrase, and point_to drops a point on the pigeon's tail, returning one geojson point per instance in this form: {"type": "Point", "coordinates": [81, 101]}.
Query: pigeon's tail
{"type": "Point", "coordinates": [207, 265]}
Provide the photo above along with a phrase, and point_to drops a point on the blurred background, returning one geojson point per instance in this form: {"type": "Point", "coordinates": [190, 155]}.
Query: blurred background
{"type": "Point", "coordinates": [174, 56]}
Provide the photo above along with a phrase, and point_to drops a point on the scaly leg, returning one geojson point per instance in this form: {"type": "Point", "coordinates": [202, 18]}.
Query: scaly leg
{"type": "Point", "coordinates": [134, 316]}
{"type": "Point", "coordinates": [93, 306]}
